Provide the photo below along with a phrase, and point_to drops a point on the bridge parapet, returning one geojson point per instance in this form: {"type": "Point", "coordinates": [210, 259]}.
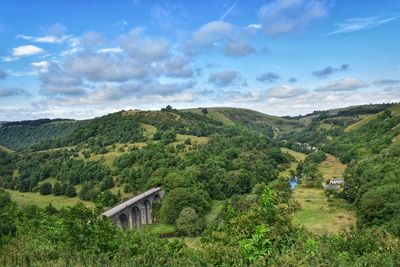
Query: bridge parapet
{"type": "Point", "coordinates": [136, 211]}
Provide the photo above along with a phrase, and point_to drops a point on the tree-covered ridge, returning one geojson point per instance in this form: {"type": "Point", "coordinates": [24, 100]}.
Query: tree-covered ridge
{"type": "Point", "coordinates": [102, 131]}
{"type": "Point", "coordinates": [369, 139]}
{"type": "Point", "coordinates": [21, 135]}
{"type": "Point", "coordinates": [323, 126]}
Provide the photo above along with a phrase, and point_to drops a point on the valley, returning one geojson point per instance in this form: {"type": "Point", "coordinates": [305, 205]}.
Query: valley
{"type": "Point", "coordinates": [225, 172]}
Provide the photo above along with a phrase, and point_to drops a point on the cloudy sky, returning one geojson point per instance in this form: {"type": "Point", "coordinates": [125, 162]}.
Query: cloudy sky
{"type": "Point", "coordinates": [80, 59]}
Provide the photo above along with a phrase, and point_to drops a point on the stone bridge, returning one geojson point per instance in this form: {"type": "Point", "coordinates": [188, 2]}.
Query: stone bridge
{"type": "Point", "coordinates": [136, 211]}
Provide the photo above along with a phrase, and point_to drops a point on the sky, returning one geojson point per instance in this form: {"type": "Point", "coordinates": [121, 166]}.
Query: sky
{"type": "Point", "coordinates": [81, 59]}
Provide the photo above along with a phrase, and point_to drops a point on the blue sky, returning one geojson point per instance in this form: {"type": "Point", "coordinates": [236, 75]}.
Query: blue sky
{"type": "Point", "coordinates": [80, 59]}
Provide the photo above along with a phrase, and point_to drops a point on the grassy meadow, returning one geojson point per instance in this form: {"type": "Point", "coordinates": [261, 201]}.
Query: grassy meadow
{"type": "Point", "coordinates": [33, 198]}
{"type": "Point", "coordinates": [321, 215]}
{"type": "Point", "coordinates": [331, 167]}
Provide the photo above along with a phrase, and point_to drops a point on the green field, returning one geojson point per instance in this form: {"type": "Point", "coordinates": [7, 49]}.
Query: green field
{"type": "Point", "coordinates": [331, 167]}
{"type": "Point", "coordinates": [319, 215]}
{"type": "Point", "coordinates": [161, 229]}
{"type": "Point", "coordinates": [31, 198]}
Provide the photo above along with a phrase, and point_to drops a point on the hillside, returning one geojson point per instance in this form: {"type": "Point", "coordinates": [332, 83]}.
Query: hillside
{"type": "Point", "coordinates": [394, 108]}
{"type": "Point", "coordinates": [372, 177]}
{"type": "Point", "coordinates": [129, 151]}
{"type": "Point", "coordinates": [21, 135]}
{"type": "Point", "coordinates": [232, 116]}
{"type": "Point", "coordinates": [323, 126]}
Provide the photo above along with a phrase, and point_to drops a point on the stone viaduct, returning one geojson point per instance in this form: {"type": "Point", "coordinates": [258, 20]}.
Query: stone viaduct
{"type": "Point", "coordinates": [136, 211]}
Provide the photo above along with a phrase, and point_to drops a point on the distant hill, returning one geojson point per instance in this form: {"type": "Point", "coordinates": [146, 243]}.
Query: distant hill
{"type": "Point", "coordinates": [232, 116]}
{"type": "Point", "coordinates": [395, 108]}
{"type": "Point", "coordinates": [121, 126]}
{"type": "Point", "coordinates": [21, 135]}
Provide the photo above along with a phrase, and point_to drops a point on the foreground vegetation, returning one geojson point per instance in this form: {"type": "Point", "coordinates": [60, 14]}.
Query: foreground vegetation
{"type": "Point", "coordinates": [254, 230]}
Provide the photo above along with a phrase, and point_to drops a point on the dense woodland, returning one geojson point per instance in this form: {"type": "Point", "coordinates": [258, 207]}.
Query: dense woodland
{"type": "Point", "coordinates": [239, 165]}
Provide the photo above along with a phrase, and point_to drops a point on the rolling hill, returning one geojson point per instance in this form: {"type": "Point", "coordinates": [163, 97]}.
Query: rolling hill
{"type": "Point", "coordinates": [232, 116]}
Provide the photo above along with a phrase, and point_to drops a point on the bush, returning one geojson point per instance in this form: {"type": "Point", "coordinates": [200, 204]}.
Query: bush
{"type": "Point", "coordinates": [45, 188]}
{"type": "Point", "coordinates": [57, 189]}
{"type": "Point", "coordinates": [179, 198]}
{"type": "Point", "coordinates": [107, 183]}
{"type": "Point", "coordinates": [189, 223]}
{"type": "Point", "coordinates": [70, 191]}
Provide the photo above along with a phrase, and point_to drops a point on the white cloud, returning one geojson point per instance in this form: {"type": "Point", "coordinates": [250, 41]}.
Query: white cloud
{"type": "Point", "coordinates": [12, 91]}
{"type": "Point", "coordinates": [144, 49]}
{"type": "Point", "coordinates": [24, 73]}
{"type": "Point", "coordinates": [224, 78]}
{"type": "Point", "coordinates": [237, 49]}
{"type": "Point", "coordinates": [23, 51]}
{"type": "Point", "coordinates": [41, 65]}
{"type": "Point", "coordinates": [209, 35]}
{"type": "Point", "coordinates": [268, 77]}
{"type": "Point", "coordinates": [91, 39]}
{"type": "Point", "coordinates": [44, 39]}
{"type": "Point", "coordinates": [284, 91]}
{"type": "Point", "coordinates": [240, 97]}
{"type": "Point", "coordinates": [281, 16]}
{"type": "Point", "coordinates": [359, 24]}
{"type": "Point", "coordinates": [347, 84]}
{"type": "Point", "coordinates": [26, 50]}
{"type": "Point", "coordinates": [254, 26]}
{"type": "Point", "coordinates": [111, 50]}
{"type": "Point", "coordinates": [383, 82]}
{"type": "Point", "coordinates": [136, 58]}
{"type": "Point", "coordinates": [212, 32]}
{"type": "Point", "coordinates": [105, 67]}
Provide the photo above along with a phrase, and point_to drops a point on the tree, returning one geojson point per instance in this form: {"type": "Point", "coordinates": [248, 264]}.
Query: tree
{"type": "Point", "coordinates": [179, 198]}
{"type": "Point", "coordinates": [25, 185]}
{"type": "Point", "coordinates": [83, 194]}
{"type": "Point", "coordinates": [189, 223]}
{"type": "Point", "coordinates": [168, 137]}
{"type": "Point", "coordinates": [4, 198]}
{"type": "Point", "coordinates": [168, 108]}
{"type": "Point", "coordinates": [70, 191]}
{"type": "Point", "coordinates": [57, 189]}
{"type": "Point", "coordinates": [204, 111]}
{"type": "Point", "coordinates": [45, 188]}
{"type": "Point", "coordinates": [108, 199]}
{"type": "Point", "coordinates": [107, 183]}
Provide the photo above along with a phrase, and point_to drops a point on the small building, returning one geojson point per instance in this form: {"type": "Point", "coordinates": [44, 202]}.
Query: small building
{"type": "Point", "coordinates": [337, 181]}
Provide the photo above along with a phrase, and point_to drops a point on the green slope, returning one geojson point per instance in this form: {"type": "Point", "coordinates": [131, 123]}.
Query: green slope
{"type": "Point", "coordinates": [231, 116]}
{"type": "Point", "coordinates": [21, 135]}
{"type": "Point", "coordinates": [5, 149]}
{"type": "Point", "coordinates": [395, 109]}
